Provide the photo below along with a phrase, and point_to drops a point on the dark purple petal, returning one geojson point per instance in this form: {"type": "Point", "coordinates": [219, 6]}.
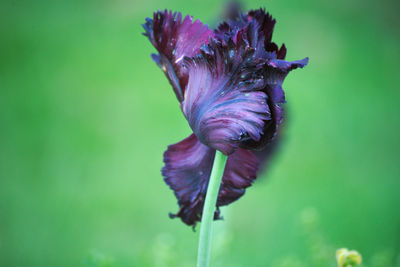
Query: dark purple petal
{"type": "Point", "coordinates": [224, 102]}
{"type": "Point", "coordinates": [263, 21]}
{"type": "Point", "coordinates": [264, 26]}
{"type": "Point", "coordinates": [240, 172]}
{"type": "Point", "coordinates": [187, 170]}
{"type": "Point", "coordinates": [275, 72]}
{"type": "Point", "coordinates": [264, 155]}
{"type": "Point", "coordinates": [286, 66]}
{"type": "Point", "coordinates": [175, 39]}
{"type": "Point", "coordinates": [281, 54]}
{"type": "Point", "coordinates": [266, 22]}
{"type": "Point", "coordinates": [258, 28]}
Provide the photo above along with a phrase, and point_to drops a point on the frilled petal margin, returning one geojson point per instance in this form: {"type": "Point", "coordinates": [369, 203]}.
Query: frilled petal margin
{"type": "Point", "coordinates": [275, 72]}
{"type": "Point", "coordinates": [175, 39]}
{"type": "Point", "coordinates": [187, 171]}
{"type": "Point", "coordinates": [264, 26]}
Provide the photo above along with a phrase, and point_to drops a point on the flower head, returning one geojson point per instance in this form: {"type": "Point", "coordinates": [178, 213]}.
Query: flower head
{"type": "Point", "coordinates": [229, 85]}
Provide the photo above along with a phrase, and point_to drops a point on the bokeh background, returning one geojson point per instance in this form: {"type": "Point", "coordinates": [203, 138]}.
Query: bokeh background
{"type": "Point", "coordinates": [85, 116]}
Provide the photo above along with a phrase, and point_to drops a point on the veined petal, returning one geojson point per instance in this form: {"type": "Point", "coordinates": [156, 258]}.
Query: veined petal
{"type": "Point", "coordinates": [255, 29]}
{"type": "Point", "coordinates": [187, 171]}
{"type": "Point", "coordinates": [224, 102]}
{"type": "Point", "coordinates": [175, 39]}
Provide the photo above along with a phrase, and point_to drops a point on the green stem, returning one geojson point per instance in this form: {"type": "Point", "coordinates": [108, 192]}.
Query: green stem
{"type": "Point", "coordinates": [203, 256]}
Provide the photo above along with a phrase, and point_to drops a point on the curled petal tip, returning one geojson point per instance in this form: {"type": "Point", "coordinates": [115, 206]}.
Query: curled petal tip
{"type": "Point", "coordinates": [174, 39]}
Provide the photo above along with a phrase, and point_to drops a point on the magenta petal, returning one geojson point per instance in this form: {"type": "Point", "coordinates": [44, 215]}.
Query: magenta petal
{"type": "Point", "coordinates": [175, 39]}
{"type": "Point", "coordinates": [224, 102]}
{"type": "Point", "coordinates": [187, 170]}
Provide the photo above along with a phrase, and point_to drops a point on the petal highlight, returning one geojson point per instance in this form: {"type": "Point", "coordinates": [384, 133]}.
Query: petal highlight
{"type": "Point", "coordinates": [224, 102]}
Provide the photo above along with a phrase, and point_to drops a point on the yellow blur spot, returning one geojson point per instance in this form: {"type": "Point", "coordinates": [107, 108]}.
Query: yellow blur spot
{"type": "Point", "coordinates": [348, 258]}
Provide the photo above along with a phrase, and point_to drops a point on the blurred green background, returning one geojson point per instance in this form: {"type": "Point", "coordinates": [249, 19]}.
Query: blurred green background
{"type": "Point", "coordinates": [85, 116]}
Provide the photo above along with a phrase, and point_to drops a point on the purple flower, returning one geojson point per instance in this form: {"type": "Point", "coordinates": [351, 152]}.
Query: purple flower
{"type": "Point", "coordinates": [229, 85]}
